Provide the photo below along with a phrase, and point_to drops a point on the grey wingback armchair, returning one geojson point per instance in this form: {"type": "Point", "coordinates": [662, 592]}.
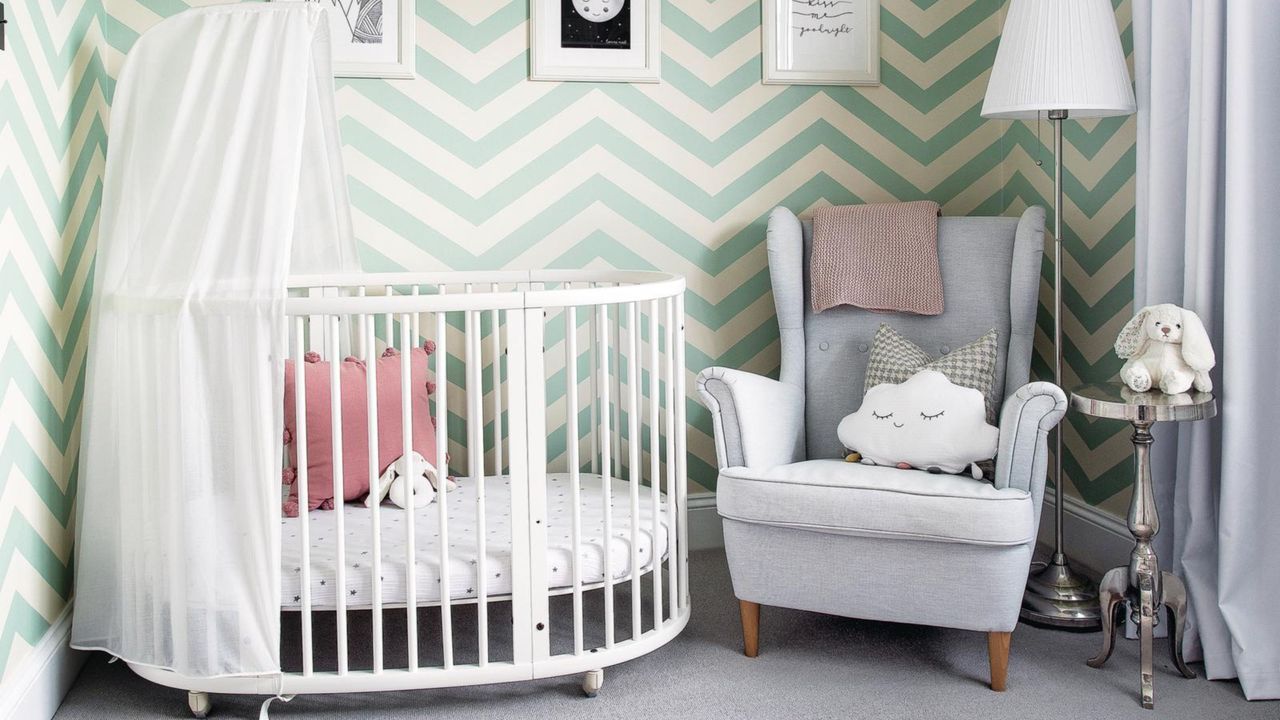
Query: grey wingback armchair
{"type": "Point", "coordinates": [803, 529]}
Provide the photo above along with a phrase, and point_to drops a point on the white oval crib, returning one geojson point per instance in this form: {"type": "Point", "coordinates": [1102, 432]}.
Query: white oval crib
{"type": "Point", "coordinates": [563, 549]}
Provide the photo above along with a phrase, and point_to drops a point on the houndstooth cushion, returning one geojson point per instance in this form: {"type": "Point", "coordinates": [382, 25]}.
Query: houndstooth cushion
{"type": "Point", "coordinates": [894, 359]}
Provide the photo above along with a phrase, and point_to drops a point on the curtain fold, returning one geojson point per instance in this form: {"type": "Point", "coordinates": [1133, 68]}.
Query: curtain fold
{"type": "Point", "coordinates": [224, 164]}
{"type": "Point", "coordinates": [1208, 190]}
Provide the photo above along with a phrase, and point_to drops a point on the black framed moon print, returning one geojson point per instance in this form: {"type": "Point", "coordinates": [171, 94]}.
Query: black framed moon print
{"type": "Point", "coordinates": [595, 40]}
{"type": "Point", "coordinates": [599, 24]}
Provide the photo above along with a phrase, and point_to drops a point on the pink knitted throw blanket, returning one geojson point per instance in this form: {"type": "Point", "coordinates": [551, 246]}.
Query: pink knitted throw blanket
{"type": "Point", "coordinates": [879, 256]}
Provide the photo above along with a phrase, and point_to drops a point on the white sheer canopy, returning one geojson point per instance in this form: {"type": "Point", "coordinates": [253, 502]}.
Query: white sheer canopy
{"type": "Point", "coordinates": [223, 174]}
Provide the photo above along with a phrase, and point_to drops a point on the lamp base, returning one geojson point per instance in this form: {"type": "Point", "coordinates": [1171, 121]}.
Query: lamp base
{"type": "Point", "coordinates": [1059, 597]}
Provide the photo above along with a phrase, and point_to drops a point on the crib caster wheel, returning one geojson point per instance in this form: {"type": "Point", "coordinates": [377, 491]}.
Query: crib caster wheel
{"type": "Point", "coordinates": [199, 703]}
{"type": "Point", "coordinates": [591, 682]}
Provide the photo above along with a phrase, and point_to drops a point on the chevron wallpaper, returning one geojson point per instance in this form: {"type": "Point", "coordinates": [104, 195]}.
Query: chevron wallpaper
{"type": "Point", "coordinates": [472, 166]}
{"type": "Point", "coordinates": [53, 109]}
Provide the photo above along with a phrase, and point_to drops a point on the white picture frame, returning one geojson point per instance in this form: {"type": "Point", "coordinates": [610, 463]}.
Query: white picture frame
{"type": "Point", "coordinates": [821, 42]}
{"type": "Point", "coordinates": [551, 60]}
{"type": "Point", "coordinates": [391, 57]}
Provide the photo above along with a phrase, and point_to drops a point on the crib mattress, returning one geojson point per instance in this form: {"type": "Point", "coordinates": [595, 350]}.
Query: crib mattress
{"type": "Point", "coordinates": [463, 556]}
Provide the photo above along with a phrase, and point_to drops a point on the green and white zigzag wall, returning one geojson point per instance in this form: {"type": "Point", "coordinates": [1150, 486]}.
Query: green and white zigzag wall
{"type": "Point", "coordinates": [472, 166]}
{"type": "Point", "coordinates": [53, 110]}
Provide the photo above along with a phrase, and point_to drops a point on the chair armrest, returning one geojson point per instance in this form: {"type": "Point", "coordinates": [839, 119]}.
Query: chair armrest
{"type": "Point", "coordinates": [1028, 416]}
{"type": "Point", "coordinates": [758, 422]}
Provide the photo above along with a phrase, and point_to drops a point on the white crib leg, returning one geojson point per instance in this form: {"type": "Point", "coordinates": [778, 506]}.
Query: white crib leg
{"type": "Point", "coordinates": [591, 682]}
{"type": "Point", "coordinates": [199, 703]}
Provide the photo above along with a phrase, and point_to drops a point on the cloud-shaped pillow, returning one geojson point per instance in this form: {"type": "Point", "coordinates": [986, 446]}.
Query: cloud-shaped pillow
{"type": "Point", "coordinates": [926, 422]}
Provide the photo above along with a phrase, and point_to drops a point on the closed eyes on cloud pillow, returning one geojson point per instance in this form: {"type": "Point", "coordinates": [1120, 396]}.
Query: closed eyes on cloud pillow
{"type": "Point", "coordinates": [926, 422]}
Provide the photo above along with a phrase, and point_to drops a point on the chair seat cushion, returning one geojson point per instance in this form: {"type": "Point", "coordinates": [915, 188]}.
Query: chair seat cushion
{"type": "Point", "coordinates": [834, 496]}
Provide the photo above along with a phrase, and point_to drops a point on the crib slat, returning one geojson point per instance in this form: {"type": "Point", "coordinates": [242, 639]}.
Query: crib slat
{"type": "Point", "coordinates": [300, 452]}
{"type": "Point", "coordinates": [575, 480]}
{"type": "Point", "coordinates": [616, 410]}
{"type": "Point", "coordinates": [520, 435]}
{"type": "Point", "coordinates": [368, 344]}
{"type": "Point", "coordinates": [361, 349]}
{"type": "Point", "coordinates": [317, 327]}
{"type": "Point", "coordinates": [416, 320]}
{"type": "Point", "coordinates": [669, 397]}
{"type": "Point", "coordinates": [441, 368]}
{"type": "Point", "coordinates": [655, 553]}
{"type": "Point", "coordinates": [388, 319]}
{"type": "Point", "coordinates": [606, 462]}
{"type": "Point", "coordinates": [536, 487]}
{"type": "Point", "coordinates": [495, 332]}
{"type": "Point", "coordinates": [406, 440]}
{"type": "Point", "coordinates": [593, 364]}
{"type": "Point", "coordinates": [335, 416]}
{"type": "Point", "coordinates": [475, 468]}
{"type": "Point", "coordinates": [634, 468]}
{"type": "Point", "coordinates": [682, 489]}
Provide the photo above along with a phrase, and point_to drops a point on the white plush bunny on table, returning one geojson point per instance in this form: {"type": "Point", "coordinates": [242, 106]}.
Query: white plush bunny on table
{"type": "Point", "coordinates": [1166, 347]}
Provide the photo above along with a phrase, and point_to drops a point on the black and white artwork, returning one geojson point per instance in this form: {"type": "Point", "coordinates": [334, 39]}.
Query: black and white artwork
{"type": "Point", "coordinates": [814, 19]}
{"type": "Point", "coordinates": [822, 42]}
{"type": "Point", "coordinates": [595, 24]}
{"type": "Point", "coordinates": [595, 40]}
{"type": "Point", "coordinates": [371, 38]}
{"type": "Point", "coordinates": [363, 19]}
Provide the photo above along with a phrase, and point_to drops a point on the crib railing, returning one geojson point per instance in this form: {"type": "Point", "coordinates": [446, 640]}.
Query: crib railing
{"type": "Point", "coordinates": [568, 380]}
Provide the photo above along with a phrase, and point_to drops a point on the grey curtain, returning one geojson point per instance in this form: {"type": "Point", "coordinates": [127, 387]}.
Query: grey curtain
{"type": "Point", "coordinates": [1208, 209]}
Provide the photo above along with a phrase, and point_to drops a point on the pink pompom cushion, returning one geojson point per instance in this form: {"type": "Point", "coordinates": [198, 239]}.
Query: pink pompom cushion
{"type": "Point", "coordinates": [355, 426]}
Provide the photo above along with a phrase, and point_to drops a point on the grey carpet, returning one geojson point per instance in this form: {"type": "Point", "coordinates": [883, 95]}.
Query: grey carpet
{"type": "Point", "coordinates": [810, 666]}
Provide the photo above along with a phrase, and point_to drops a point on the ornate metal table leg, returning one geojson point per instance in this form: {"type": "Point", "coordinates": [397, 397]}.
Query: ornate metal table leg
{"type": "Point", "coordinates": [1175, 599]}
{"type": "Point", "coordinates": [1144, 571]}
{"type": "Point", "coordinates": [1146, 631]}
{"type": "Point", "coordinates": [1111, 594]}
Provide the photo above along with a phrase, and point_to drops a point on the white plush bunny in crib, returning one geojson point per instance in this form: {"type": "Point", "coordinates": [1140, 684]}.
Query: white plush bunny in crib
{"type": "Point", "coordinates": [397, 484]}
{"type": "Point", "coordinates": [1167, 348]}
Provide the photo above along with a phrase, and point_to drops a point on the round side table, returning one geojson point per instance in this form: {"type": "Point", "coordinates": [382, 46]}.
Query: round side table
{"type": "Point", "coordinates": [1142, 583]}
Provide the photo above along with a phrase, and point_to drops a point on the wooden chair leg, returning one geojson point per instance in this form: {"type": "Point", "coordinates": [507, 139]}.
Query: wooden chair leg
{"type": "Point", "coordinates": [750, 627]}
{"type": "Point", "coordinates": [998, 654]}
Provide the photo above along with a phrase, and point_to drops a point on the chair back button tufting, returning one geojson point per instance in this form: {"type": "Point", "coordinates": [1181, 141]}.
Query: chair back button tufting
{"type": "Point", "coordinates": [823, 346]}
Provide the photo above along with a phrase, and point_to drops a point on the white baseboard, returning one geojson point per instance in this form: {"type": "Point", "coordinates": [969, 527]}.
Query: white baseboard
{"type": "Point", "coordinates": [1094, 539]}
{"type": "Point", "coordinates": [705, 530]}
{"type": "Point", "coordinates": [46, 675]}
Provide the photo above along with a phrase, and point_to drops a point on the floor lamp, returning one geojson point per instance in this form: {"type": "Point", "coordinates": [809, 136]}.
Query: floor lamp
{"type": "Point", "coordinates": [1062, 58]}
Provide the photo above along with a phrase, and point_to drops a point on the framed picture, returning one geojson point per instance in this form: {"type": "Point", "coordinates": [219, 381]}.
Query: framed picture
{"type": "Point", "coordinates": [822, 42]}
{"type": "Point", "coordinates": [595, 40]}
{"type": "Point", "coordinates": [371, 38]}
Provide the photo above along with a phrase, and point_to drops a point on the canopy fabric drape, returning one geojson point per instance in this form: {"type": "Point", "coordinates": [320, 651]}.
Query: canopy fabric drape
{"type": "Point", "coordinates": [223, 174]}
{"type": "Point", "coordinates": [1208, 193]}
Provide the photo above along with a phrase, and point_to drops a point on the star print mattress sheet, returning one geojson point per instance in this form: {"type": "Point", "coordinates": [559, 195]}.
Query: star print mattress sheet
{"type": "Point", "coordinates": [463, 528]}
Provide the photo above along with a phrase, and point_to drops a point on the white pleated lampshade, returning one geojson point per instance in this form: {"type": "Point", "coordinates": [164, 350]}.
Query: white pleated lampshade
{"type": "Point", "coordinates": [1059, 55]}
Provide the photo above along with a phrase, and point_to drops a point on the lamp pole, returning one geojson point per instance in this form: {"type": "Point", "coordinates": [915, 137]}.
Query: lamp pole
{"type": "Point", "coordinates": [1057, 116]}
{"type": "Point", "coordinates": [1056, 595]}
